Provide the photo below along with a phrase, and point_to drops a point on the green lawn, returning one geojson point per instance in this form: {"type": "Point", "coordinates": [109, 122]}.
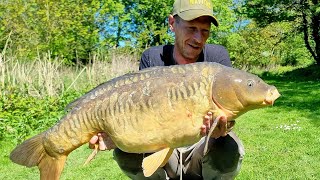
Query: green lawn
{"type": "Point", "coordinates": [281, 142]}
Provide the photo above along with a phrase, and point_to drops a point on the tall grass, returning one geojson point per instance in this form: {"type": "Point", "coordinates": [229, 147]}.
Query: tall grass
{"type": "Point", "coordinates": [33, 94]}
{"type": "Point", "coordinates": [48, 77]}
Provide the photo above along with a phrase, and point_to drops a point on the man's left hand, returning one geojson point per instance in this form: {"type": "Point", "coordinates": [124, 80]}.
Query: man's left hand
{"type": "Point", "coordinates": [220, 129]}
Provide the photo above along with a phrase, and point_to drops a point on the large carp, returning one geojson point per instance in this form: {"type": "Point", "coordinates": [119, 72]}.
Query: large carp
{"type": "Point", "coordinates": [153, 110]}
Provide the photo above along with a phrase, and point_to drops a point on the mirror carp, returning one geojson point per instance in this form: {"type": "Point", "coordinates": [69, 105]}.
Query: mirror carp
{"type": "Point", "coordinates": [153, 110]}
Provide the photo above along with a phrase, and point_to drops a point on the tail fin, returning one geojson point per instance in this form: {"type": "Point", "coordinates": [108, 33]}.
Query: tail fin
{"type": "Point", "coordinates": [32, 153]}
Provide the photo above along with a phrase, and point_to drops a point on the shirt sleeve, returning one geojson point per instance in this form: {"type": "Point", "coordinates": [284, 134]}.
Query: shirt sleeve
{"type": "Point", "coordinates": [223, 57]}
{"type": "Point", "coordinates": [144, 61]}
{"type": "Point", "coordinates": [218, 54]}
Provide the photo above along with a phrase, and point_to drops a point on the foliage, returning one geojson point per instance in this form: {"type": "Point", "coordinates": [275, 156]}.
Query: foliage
{"type": "Point", "coordinates": [138, 23]}
{"type": "Point", "coordinates": [256, 33]}
{"type": "Point", "coordinates": [223, 11]}
{"type": "Point", "coordinates": [33, 94]}
{"type": "Point", "coordinates": [303, 14]}
{"type": "Point", "coordinates": [149, 25]}
{"type": "Point", "coordinates": [111, 19]}
{"type": "Point", "coordinates": [22, 115]}
{"type": "Point", "coordinates": [65, 28]}
{"type": "Point", "coordinates": [266, 47]}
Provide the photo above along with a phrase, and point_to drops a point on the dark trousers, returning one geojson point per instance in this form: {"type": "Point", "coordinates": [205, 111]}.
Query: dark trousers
{"type": "Point", "coordinates": [222, 161]}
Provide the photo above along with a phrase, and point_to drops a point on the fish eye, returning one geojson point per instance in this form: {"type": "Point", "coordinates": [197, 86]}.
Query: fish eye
{"type": "Point", "coordinates": [250, 83]}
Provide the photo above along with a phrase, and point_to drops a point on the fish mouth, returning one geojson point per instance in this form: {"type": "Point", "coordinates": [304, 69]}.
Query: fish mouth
{"type": "Point", "coordinates": [272, 95]}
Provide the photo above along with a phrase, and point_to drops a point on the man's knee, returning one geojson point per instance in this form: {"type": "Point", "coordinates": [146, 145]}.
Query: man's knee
{"type": "Point", "coordinates": [128, 161]}
{"type": "Point", "coordinates": [130, 164]}
{"type": "Point", "coordinates": [225, 155]}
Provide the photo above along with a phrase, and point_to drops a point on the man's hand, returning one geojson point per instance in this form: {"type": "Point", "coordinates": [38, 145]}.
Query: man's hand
{"type": "Point", "coordinates": [103, 141]}
{"type": "Point", "coordinates": [220, 129]}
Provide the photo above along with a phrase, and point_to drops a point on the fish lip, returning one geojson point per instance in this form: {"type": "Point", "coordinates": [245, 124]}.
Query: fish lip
{"type": "Point", "coordinates": [268, 102]}
{"type": "Point", "coordinates": [272, 95]}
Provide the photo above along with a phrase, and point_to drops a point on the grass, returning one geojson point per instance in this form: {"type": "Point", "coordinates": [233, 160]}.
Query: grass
{"type": "Point", "coordinates": [47, 77]}
{"type": "Point", "coordinates": [103, 167]}
{"type": "Point", "coordinates": [281, 142]}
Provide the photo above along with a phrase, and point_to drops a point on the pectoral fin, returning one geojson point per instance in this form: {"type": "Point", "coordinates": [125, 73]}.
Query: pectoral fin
{"type": "Point", "coordinates": [151, 163]}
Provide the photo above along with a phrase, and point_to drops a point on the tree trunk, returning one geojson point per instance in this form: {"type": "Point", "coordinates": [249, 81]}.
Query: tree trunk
{"type": "Point", "coordinates": [315, 19]}
{"type": "Point", "coordinates": [305, 25]}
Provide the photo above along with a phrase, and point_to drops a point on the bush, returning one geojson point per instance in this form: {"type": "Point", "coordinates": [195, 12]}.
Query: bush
{"type": "Point", "coordinates": [22, 116]}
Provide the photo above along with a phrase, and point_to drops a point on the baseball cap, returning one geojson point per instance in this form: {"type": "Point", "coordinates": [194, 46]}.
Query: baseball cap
{"type": "Point", "coordinates": [192, 9]}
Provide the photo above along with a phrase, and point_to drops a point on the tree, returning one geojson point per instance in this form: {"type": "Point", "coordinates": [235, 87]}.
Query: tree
{"type": "Point", "coordinates": [305, 14]}
{"type": "Point", "coordinates": [223, 11]}
{"type": "Point", "coordinates": [148, 21]}
{"type": "Point", "coordinates": [111, 19]}
{"type": "Point", "coordinates": [267, 47]}
{"type": "Point", "coordinates": [66, 29]}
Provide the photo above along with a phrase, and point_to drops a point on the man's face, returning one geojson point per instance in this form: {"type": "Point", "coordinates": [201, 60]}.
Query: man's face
{"type": "Point", "coordinates": [191, 36]}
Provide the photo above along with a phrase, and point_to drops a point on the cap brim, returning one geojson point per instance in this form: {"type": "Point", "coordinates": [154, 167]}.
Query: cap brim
{"type": "Point", "coordinates": [188, 16]}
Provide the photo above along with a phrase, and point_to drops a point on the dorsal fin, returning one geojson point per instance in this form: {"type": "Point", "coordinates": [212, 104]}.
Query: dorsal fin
{"type": "Point", "coordinates": [151, 163]}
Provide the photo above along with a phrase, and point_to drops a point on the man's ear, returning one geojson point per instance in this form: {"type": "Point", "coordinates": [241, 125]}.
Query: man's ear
{"type": "Point", "coordinates": [171, 22]}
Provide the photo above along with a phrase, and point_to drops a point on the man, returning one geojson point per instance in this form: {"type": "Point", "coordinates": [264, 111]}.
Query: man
{"type": "Point", "coordinates": [190, 22]}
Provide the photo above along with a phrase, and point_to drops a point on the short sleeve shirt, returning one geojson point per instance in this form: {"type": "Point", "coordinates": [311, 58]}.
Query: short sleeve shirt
{"type": "Point", "coordinates": [163, 56]}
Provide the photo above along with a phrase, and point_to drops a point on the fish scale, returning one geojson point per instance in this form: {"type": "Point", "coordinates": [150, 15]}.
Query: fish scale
{"type": "Point", "coordinates": [147, 111]}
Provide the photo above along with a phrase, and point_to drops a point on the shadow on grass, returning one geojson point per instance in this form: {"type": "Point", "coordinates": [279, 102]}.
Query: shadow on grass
{"type": "Point", "coordinates": [300, 91]}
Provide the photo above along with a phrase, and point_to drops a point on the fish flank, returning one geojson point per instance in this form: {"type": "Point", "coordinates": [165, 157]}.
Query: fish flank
{"type": "Point", "coordinates": [136, 120]}
{"type": "Point", "coordinates": [191, 90]}
{"type": "Point", "coordinates": [72, 126]}
{"type": "Point", "coordinates": [178, 94]}
{"type": "Point", "coordinates": [117, 108]}
{"type": "Point", "coordinates": [84, 123]}
{"type": "Point", "coordinates": [195, 86]}
{"type": "Point", "coordinates": [111, 116]}
{"type": "Point", "coordinates": [142, 77]}
{"type": "Point", "coordinates": [104, 118]}
{"type": "Point", "coordinates": [202, 88]}
{"type": "Point", "coordinates": [86, 118]}
{"type": "Point", "coordinates": [184, 91]}
{"type": "Point", "coordinates": [109, 108]}
{"type": "Point", "coordinates": [119, 123]}
{"type": "Point", "coordinates": [172, 95]}
{"type": "Point", "coordinates": [72, 129]}
{"type": "Point", "coordinates": [121, 108]}
{"type": "Point", "coordinates": [148, 105]}
{"type": "Point", "coordinates": [130, 105]}
{"type": "Point", "coordinates": [64, 136]}
{"type": "Point", "coordinates": [100, 124]}
{"type": "Point", "coordinates": [81, 119]}
{"type": "Point", "coordinates": [76, 121]}
{"type": "Point", "coordinates": [127, 107]}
